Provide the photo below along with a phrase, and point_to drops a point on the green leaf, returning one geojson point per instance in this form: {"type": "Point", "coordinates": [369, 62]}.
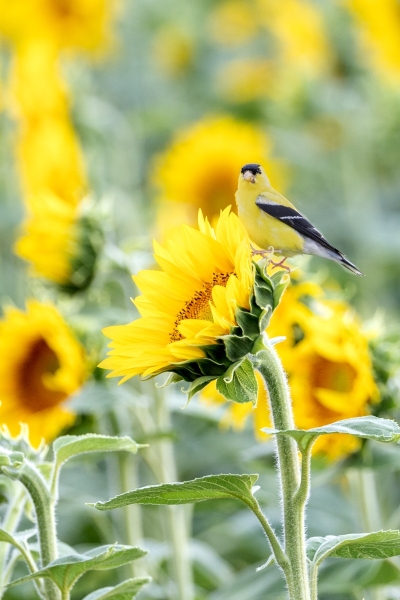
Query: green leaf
{"type": "Point", "coordinates": [197, 385]}
{"type": "Point", "coordinates": [377, 545]}
{"type": "Point", "coordinates": [248, 323]}
{"type": "Point", "coordinates": [265, 318]}
{"type": "Point", "coordinates": [371, 428]}
{"type": "Point", "coordinates": [239, 383]}
{"type": "Point", "coordinates": [211, 487]}
{"type": "Point", "coordinates": [124, 591]}
{"type": "Point", "coordinates": [66, 571]}
{"type": "Point", "coordinates": [67, 446]}
{"type": "Point", "coordinates": [237, 346]}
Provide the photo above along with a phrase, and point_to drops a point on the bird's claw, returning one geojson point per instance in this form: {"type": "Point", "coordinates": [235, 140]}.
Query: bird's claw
{"type": "Point", "coordinates": [267, 255]}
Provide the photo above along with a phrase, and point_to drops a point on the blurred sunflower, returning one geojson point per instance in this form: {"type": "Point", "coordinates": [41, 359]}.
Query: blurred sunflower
{"type": "Point", "coordinates": [299, 31]}
{"type": "Point", "coordinates": [172, 50]}
{"type": "Point", "coordinates": [49, 238]}
{"type": "Point", "coordinates": [51, 160]}
{"type": "Point", "coordinates": [246, 79]}
{"type": "Point", "coordinates": [205, 276]}
{"type": "Point", "coordinates": [379, 35]}
{"type": "Point", "coordinates": [42, 365]}
{"type": "Point", "coordinates": [200, 169]}
{"type": "Point", "coordinates": [83, 24]}
{"type": "Point", "coordinates": [326, 357]}
{"type": "Point", "coordinates": [60, 242]}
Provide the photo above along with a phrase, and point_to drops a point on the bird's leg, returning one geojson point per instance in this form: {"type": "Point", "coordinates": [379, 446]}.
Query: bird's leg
{"type": "Point", "coordinates": [264, 253]}
{"type": "Point", "coordinates": [281, 264]}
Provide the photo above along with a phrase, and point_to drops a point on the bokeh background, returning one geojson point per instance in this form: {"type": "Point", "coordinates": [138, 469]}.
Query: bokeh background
{"type": "Point", "coordinates": [118, 120]}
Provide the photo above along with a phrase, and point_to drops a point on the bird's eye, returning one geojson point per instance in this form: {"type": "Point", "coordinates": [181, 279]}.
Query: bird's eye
{"type": "Point", "coordinates": [254, 168]}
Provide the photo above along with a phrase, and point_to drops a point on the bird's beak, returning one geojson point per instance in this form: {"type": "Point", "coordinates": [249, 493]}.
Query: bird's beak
{"type": "Point", "coordinates": [248, 176]}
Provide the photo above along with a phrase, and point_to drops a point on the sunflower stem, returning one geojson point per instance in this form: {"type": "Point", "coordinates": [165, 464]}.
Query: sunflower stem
{"type": "Point", "coordinates": [294, 487]}
{"type": "Point", "coordinates": [177, 526]}
{"type": "Point", "coordinates": [44, 506]}
{"type": "Point", "coordinates": [10, 524]}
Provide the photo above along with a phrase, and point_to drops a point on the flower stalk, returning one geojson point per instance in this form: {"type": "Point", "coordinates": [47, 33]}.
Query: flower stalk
{"type": "Point", "coordinates": [44, 505]}
{"type": "Point", "coordinates": [294, 482]}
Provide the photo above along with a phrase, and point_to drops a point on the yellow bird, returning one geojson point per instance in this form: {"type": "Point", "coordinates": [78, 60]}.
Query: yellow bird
{"type": "Point", "coordinates": [272, 221]}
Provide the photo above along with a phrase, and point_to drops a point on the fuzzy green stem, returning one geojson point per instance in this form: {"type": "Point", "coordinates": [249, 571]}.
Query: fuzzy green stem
{"type": "Point", "coordinates": [10, 524]}
{"type": "Point", "coordinates": [314, 581]}
{"type": "Point", "coordinates": [293, 496]}
{"type": "Point", "coordinates": [279, 555]}
{"type": "Point", "coordinates": [37, 488]}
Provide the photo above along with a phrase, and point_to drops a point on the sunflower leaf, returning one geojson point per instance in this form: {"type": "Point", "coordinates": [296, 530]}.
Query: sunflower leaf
{"type": "Point", "coordinates": [67, 446]}
{"type": "Point", "coordinates": [237, 346]}
{"type": "Point", "coordinates": [370, 428]}
{"type": "Point", "coordinates": [377, 545]}
{"type": "Point", "coordinates": [65, 571]}
{"type": "Point", "coordinates": [126, 590]}
{"type": "Point", "coordinates": [239, 383]}
{"type": "Point", "coordinates": [212, 487]}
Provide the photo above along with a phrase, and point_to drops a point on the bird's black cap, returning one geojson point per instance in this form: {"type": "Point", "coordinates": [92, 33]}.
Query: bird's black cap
{"type": "Point", "coordinates": [253, 168]}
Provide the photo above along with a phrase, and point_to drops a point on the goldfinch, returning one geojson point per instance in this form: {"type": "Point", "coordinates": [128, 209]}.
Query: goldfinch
{"type": "Point", "coordinates": [272, 221]}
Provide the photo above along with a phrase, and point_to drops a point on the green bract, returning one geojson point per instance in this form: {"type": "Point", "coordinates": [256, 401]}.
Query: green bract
{"type": "Point", "coordinates": [228, 361]}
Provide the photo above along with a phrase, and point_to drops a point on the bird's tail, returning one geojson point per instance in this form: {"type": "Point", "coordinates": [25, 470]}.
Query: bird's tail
{"type": "Point", "coordinates": [346, 263]}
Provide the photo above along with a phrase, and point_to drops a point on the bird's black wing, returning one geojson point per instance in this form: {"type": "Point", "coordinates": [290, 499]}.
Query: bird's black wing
{"type": "Point", "coordinates": [294, 219]}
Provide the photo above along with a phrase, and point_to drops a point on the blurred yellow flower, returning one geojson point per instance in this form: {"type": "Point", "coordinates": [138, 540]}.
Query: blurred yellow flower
{"type": "Point", "coordinates": [200, 169]}
{"type": "Point", "coordinates": [51, 160]}
{"type": "Point", "coordinates": [42, 365]}
{"type": "Point", "coordinates": [379, 35]}
{"type": "Point", "coordinates": [246, 79]}
{"type": "Point", "coordinates": [327, 360]}
{"type": "Point", "coordinates": [187, 305]}
{"type": "Point", "coordinates": [36, 86]}
{"type": "Point", "coordinates": [233, 23]}
{"type": "Point", "coordinates": [82, 24]}
{"type": "Point", "coordinates": [49, 238]}
{"type": "Point", "coordinates": [172, 50]}
{"type": "Point", "coordinates": [298, 28]}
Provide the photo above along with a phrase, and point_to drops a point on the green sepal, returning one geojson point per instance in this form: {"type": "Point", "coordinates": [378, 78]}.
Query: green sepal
{"type": "Point", "coordinates": [197, 385]}
{"type": "Point", "coordinates": [248, 323]}
{"type": "Point", "coordinates": [239, 383]}
{"type": "Point", "coordinates": [83, 265]}
{"type": "Point", "coordinates": [264, 319]}
{"type": "Point", "coordinates": [264, 295]}
{"type": "Point", "coordinates": [237, 346]}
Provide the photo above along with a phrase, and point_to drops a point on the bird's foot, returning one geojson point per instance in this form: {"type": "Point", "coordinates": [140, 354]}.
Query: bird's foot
{"type": "Point", "coordinates": [264, 253]}
{"type": "Point", "coordinates": [281, 264]}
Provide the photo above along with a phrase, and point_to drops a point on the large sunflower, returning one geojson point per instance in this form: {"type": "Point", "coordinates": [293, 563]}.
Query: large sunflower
{"type": "Point", "coordinates": [326, 357]}
{"type": "Point", "coordinates": [42, 364]}
{"type": "Point", "coordinates": [206, 275]}
{"type": "Point", "coordinates": [201, 166]}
